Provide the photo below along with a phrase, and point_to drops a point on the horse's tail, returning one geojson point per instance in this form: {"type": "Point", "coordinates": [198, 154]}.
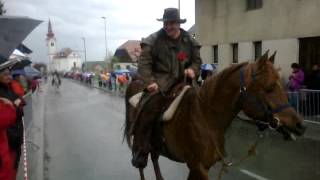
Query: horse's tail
{"type": "Point", "coordinates": [133, 88]}
{"type": "Point", "coordinates": [127, 123]}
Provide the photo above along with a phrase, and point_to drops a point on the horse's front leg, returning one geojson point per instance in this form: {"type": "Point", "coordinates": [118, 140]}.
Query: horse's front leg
{"type": "Point", "coordinates": [197, 172]}
{"type": "Point", "coordinates": [155, 162]}
{"type": "Point", "coordinates": [141, 174]}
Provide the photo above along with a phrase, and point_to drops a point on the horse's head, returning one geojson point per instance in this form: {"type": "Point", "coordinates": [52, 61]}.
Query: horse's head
{"type": "Point", "coordinates": [264, 99]}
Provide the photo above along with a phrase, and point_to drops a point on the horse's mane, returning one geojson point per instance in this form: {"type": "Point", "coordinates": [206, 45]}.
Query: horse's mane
{"type": "Point", "coordinates": [213, 82]}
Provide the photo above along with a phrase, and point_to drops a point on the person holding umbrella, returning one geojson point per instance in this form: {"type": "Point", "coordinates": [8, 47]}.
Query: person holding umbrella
{"type": "Point", "coordinates": [207, 70]}
{"type": "Point", "coordinates": [15, 29]}
{"type": "Point", "coordinates": [16, 84]}
{"type": "Point", "coordinates": [15, 132]}
{"type": "Point", "coordinates": [7, 118]}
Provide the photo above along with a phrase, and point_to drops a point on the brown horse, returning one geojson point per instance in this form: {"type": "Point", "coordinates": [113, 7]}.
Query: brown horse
{"type": "Point", "coordinates": [195, 134]}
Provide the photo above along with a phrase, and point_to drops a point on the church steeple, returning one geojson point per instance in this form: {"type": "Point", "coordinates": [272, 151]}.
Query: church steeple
{"type": "Point", "coordinates": [50, 32]}
{"type": "Point", "coordinates": [52, 48]}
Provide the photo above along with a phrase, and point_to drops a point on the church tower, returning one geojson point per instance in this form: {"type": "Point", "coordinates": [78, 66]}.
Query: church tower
{"type": "Point", "coordinates": [52, 47]}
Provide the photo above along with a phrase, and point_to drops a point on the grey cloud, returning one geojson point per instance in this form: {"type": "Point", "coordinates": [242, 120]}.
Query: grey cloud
{"type": "Point", "coordinates": [72, 20]}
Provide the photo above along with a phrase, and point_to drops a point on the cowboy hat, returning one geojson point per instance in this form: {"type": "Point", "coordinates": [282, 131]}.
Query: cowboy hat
{"type": "Point", "coordinates": [172, 14]}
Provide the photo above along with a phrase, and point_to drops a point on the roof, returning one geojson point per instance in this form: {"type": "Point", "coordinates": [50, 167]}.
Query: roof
{"type": "Point", "coordinates": [63, 53]}
{"type": "Point", "coordinates": [130, 49]}
{"type": "Point", "coordinates": [90, 65]}
{"type": "Point", "coordinates": [50, 33]}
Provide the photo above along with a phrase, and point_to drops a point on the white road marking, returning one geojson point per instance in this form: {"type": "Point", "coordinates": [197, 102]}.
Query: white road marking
{"type": "Point", "coordinates": [253, 175]}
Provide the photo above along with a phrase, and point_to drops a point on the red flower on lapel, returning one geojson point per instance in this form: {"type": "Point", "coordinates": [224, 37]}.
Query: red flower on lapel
{"type": "Point", "coordinates": [181, 56]}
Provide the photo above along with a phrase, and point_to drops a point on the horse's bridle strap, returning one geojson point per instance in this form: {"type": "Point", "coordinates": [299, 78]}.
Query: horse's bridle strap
{"type": "Point", "coordinates": [268, 111]}
{"type": "Point", "coordinates": [280, 108]}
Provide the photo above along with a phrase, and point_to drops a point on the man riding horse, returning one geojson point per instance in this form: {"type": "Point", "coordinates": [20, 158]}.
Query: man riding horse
{"type": "Point", "coordinates": [168, 57]}
{"type": "Point", "coordinates": [56, 81]}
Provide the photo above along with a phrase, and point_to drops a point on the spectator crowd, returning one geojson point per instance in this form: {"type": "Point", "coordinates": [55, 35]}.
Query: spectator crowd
{"type": "Point", "coordinates": [13, 88]}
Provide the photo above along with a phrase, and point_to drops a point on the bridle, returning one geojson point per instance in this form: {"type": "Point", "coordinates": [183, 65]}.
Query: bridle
{"type": "Point", "coordinates": [269, 120]}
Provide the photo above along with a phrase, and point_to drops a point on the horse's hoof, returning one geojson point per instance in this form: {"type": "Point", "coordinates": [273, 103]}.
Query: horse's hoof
{"type": "Point", "coordinates": [139, 160]}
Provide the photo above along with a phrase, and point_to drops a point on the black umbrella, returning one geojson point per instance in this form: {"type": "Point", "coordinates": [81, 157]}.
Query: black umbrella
{"type": "Point", "coordinates": [7, 64]}
{"type": "Point", "coordinates": [21, 64]}
{"type": "Point", "coordinates": [13, 31]}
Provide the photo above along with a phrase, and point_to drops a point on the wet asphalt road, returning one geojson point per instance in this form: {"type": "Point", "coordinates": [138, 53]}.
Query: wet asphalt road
{"type": "Point", "coordinates": [83, 141]}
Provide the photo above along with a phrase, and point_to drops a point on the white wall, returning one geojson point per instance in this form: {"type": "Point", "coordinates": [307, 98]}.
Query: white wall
{"type": "Point", "coordinates": [245, 51]}
{"type": "Point", "coordinates": [206, 54]}
{"type": "Point", "coordinates": [278, 24]}
{"type": "Point", "coordinates": [224, 56]}
{"type": "Point", "coordinates": [229, 21]}
{"type": "Point", "coordinates": [65, 64]}
{"type": "Point", "coordinates": [287, 53]}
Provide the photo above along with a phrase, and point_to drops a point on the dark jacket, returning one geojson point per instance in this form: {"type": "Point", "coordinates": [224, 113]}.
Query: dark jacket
{"type": "Point", "coordinates": [313, 80]}
{"type": "Point", "coordinates": [164, 60]}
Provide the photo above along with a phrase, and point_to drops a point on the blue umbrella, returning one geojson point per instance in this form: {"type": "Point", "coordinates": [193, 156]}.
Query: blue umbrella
{"type": "Point", "coordinates": [133, 71]}
{"type": "Point", "coordinates": [31, 72]}
{"type": "Point", "coordinates": [121, 71]}
{"type": "Point", "coordinates": [18, 72]}
{"type": "Point", "coordinates": [208, 67]}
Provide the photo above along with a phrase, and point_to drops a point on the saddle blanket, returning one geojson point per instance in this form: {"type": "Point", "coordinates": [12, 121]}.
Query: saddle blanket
{"type": "Point", "coordinates": [168, 114]}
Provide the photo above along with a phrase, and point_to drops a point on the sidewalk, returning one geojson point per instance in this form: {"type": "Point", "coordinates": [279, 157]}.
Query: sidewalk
{"type": "Point", "coordinates": [34, 130]}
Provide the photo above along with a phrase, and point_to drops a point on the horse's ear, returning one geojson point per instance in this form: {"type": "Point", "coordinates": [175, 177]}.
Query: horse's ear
{"type": "Point", "coordinates": [271, 59]}
{"type": "Point", "coordinates": [263, 58]}
{"type": "Point", "coordinates": [265, 55]}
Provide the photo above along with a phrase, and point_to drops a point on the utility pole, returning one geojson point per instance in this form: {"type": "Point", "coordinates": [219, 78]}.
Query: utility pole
{"type": "Point", "coordinates": [179, 6]}
{"type": "Point", "coordinates": [105, 34]}
{"type": "Point", "coordinates": [85, 53]}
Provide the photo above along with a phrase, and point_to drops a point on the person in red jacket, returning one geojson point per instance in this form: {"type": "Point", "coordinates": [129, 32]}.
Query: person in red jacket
{"type": "Point", "coordinates": [8, 117]}
{"type": "Point", "coordinates": [16, 86]}
{"type": "Point", "coordinates": [15, 131]}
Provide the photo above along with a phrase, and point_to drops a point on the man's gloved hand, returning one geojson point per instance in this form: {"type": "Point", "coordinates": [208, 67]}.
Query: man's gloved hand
{"type": "Point", "coordinates": [153, 87]}
{"type": "Point", "coordinates": [189, 73]}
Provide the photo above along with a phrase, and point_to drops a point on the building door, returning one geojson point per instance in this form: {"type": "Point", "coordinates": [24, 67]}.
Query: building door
{"type": "Point", "coordinates": [309, 52]}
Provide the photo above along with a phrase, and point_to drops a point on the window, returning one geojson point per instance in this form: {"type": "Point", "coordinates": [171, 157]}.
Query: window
{"type": "Point", "coordinates": [52, 44]}
{"type": "Point", "coordinates": [235, 53]}
{"type": "Point", "coordinates": [215, 54]}
{"type": "Point", "coordinates": [254, 4]}
{"type": "Point", "coordinates": [257, 49]}
{"type": "Point", "coordinates": [128, 67]}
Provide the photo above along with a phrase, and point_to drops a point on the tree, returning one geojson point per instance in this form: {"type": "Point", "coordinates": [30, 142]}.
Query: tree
{"type": "Point", "coordinates": [2, 10]}
{"type": "Point", "coordinates": [109, 57]}
{"type": "Point", "coordinates": [114, 60]}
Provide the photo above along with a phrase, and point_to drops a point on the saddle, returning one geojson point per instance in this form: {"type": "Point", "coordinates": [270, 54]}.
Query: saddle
{"type": "Point", "coordinates": [173, 99]}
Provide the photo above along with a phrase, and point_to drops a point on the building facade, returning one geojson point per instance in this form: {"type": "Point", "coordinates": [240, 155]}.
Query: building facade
{"type": "Point", "coordinates": [233, 31]}
{"type": "Point", "coordinates": [64, 60]}
{"type": "Point", "coordinates": [127, 55]}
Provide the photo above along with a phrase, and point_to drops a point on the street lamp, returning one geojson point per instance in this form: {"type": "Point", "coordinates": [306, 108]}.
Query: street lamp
{"type": "Point", "coordinates": [179, 6]}
{"type": "Point", "coordinates": [85, 52]}
{"type": "Point", "coordinates": [105, 34]}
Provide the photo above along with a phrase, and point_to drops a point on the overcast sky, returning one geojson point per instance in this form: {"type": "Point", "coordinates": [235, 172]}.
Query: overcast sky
{"type": "Point", "coordinates": [73, 19]}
